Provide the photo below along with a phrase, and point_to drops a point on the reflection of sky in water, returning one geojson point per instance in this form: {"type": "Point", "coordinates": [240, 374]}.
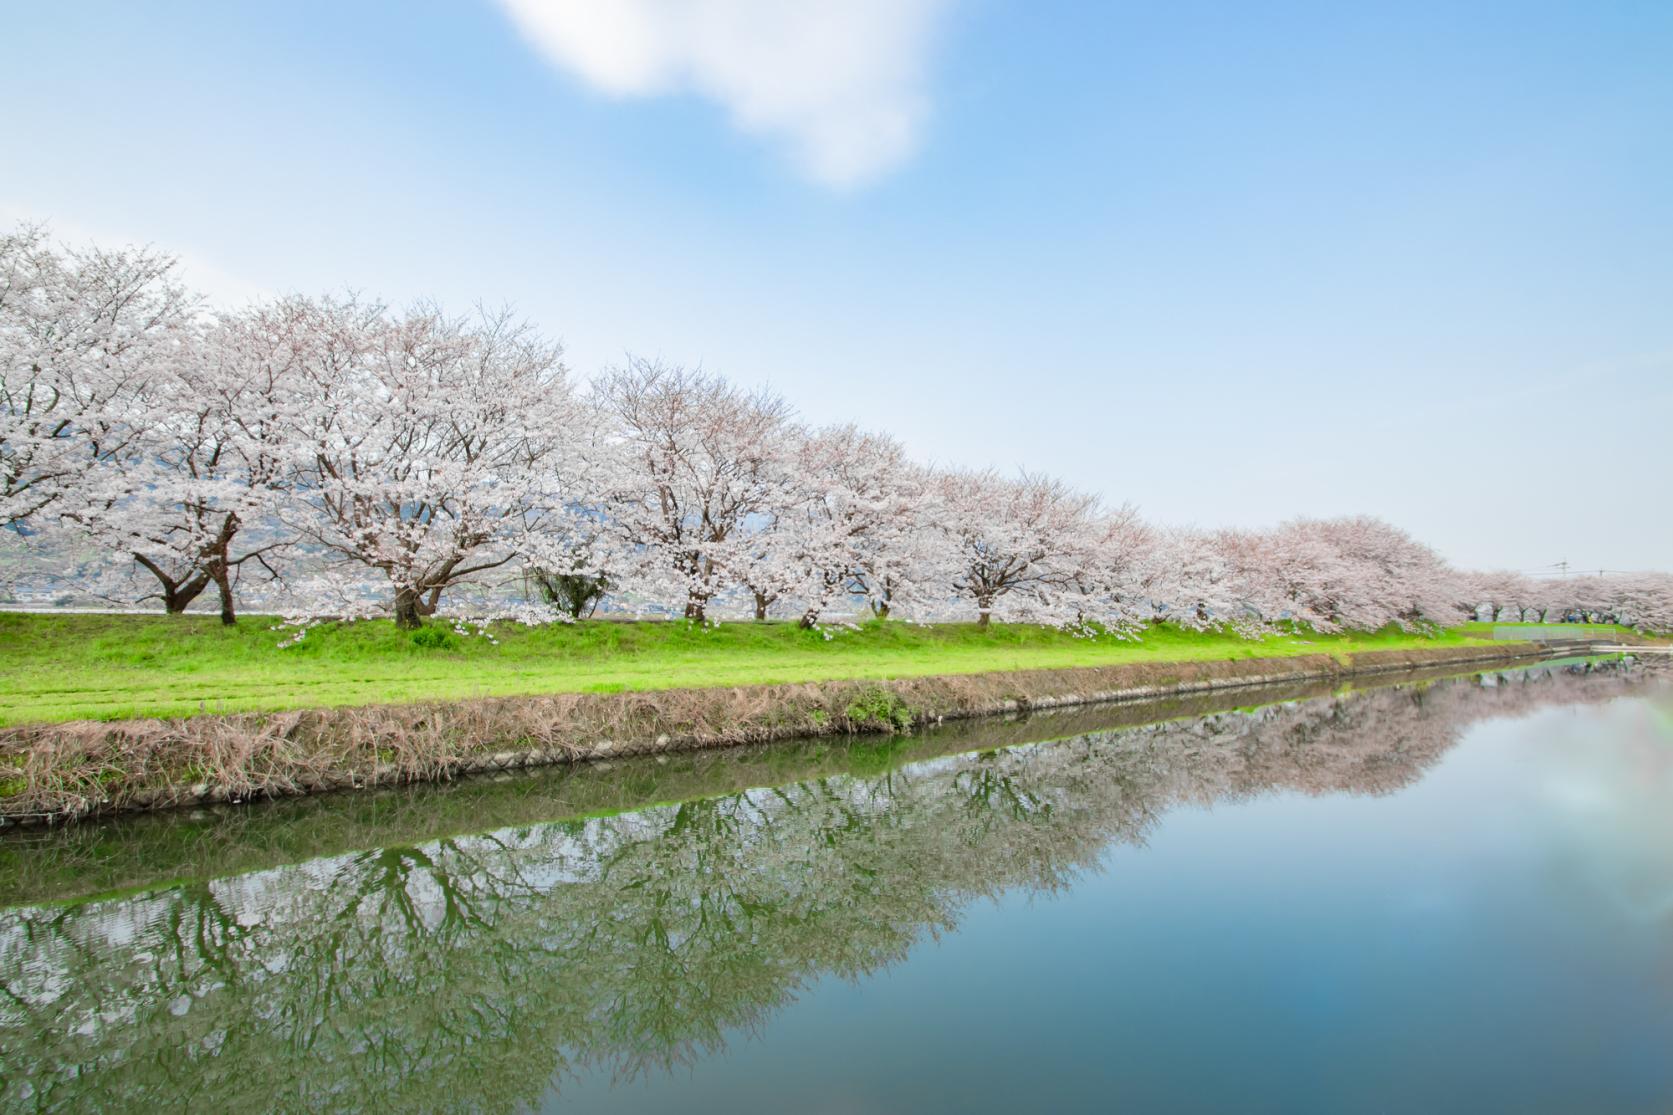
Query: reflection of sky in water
{"type": "Point", "coordinates": [1607, 784]}
{"type": "Point", "coordinates": [1497, 937]}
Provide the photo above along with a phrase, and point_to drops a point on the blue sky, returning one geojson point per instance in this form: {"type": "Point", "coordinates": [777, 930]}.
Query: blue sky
{"type": "Point", "coordinates": [1231, 262]}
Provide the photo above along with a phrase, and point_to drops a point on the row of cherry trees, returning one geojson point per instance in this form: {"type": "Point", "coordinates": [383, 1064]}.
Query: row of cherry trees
{"type": "Point", "coordinates": [1636, 599]}
{"type": "Point", "coordinates": [332, 456]}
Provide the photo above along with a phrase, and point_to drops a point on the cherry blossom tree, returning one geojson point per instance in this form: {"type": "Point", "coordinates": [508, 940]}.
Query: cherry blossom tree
{"type": "Point", "coordinates": [860, 525]}
{"type": "Point", "coordinates": [575, 559]}
{"type": "Point", "coordinates": [768, 565]}
{"type": "Point", "coordinates": [1024, 549]}
{"type": "Point", "coordinates": [1471, 592]}
{"type": "Point", "coordinates": [1206, 579]}
{"type": "Point", "coordinates": [83, 335]}
{"type": "Point", "coordinates": [428, 448]}
{"type": "Point", "coordinates": [1355, 572]}
{"type": "Point", "coordinates": [904, 571]}
{"type": "Point", "coordinates": [1388, 576]}
{"type": "Point", "coordinates": [703, 465]}
{"type": "Point", "coordinates": [1119, 583]}
{"type": "Point", "coordinates": [1644, 600]}
{"type": "Point", "coordinates": [194, 498]}
{"type": "Point", "coordinates": [1506, 595]}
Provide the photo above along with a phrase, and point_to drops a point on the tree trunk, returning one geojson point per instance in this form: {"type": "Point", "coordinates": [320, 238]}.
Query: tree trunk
{"type": "Point", "coordinates": [223, 585]}
{"type": "Point", "coordinates": [697, 596]}
{"type": "Point", "coordinates": [219, 569]}
{"type": "Point", "coordinates": [880, 610]}
{"type": "Point", "coordinates": [177, 595]}
{"type": "Point", "coordinates": [761, 603]}
{"type": "Point", "coordinates": [407, 614]}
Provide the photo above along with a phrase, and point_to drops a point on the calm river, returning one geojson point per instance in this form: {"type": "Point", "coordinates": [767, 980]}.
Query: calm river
{"type": "Point", "coordinates": [1442, 895]}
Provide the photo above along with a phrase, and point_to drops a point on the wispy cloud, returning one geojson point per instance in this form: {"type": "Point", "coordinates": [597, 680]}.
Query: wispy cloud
{"type": "Point", "coordinates": [841, 84]}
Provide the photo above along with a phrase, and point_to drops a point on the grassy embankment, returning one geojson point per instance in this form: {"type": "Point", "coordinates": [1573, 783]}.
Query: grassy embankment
{"type": "Point", "coordinates": [67, 667]}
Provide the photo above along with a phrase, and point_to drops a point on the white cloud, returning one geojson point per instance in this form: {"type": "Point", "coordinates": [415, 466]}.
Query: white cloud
{"type": "Point", "coordinates": [841, 82]}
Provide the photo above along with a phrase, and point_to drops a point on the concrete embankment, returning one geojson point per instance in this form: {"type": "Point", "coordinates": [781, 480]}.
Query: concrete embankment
{"type": "Point", "coordinates": [63, 771]}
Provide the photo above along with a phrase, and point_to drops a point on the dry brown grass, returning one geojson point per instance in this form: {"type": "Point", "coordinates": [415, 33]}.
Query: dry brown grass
{"type": "Point", "coordinates": [64, 771]}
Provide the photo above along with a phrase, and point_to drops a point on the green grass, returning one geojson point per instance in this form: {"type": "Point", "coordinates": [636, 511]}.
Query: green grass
{"type": "Point", "coordinates": [67, 667]}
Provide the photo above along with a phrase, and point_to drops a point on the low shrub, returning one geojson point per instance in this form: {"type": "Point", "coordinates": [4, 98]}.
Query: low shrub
{"type": "Point", "coordinates": [880, 709]}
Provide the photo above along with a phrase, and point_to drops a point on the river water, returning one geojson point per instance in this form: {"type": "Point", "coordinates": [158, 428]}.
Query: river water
{"type": "Point", "coordinates": [1442, 895]}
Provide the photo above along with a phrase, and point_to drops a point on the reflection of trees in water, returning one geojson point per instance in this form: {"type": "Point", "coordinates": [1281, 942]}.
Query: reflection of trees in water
{"type": "Point", "coordinates": [472, 970]}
